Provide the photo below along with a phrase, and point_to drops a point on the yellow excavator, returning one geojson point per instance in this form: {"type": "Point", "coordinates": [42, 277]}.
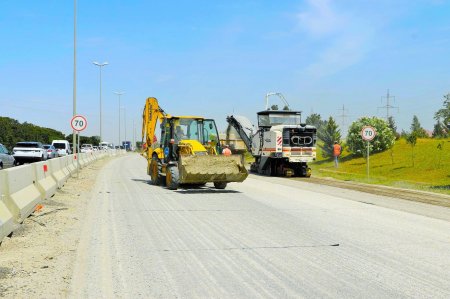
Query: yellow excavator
{"type": "Point", "coordinates": [187, 151]}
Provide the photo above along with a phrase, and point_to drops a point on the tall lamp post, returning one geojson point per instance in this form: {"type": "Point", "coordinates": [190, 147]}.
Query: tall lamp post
{"type": "Point", "coordinates": [74, 136]}
{"type": "Point", "coordinates": [125, 121]}
{"type": "Point", "coordinates": [100, 65]}
{"type": "Point", "coordinates": [119, 93]}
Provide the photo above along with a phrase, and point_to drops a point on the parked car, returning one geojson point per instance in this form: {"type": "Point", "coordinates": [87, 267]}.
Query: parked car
{"type": "Point", "coordinates": [86, 148]}
{"type": "Point", "coordinates": [62, 147]}
{"type": "Point", "coordinates": [29, 151]}
{"type": "Point", "coordinates": [6, 159]}
{"type": "Point", "coordinates": [95, 148]}
{"type": "Point", "coordinates": [51, 151]}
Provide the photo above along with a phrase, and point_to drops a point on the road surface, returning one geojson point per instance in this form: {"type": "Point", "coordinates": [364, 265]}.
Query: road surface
{"type": "Point", "coordinates": [264, 238]}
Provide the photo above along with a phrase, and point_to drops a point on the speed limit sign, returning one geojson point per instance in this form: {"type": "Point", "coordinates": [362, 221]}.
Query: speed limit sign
{"type": "Point", "coordinates": [78, 123]}
{"type": "Point", "coordinates": [368, 133]}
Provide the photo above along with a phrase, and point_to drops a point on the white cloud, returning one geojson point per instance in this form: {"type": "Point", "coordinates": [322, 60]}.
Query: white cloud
{"type": "Point", "coordinates": [342, 39]}
{"type": "Point", "coordinates": [320, 18]}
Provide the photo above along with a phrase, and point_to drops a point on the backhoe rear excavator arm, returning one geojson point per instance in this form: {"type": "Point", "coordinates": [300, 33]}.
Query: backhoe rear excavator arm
{"type": "Point", "coordinates": [151, 115]}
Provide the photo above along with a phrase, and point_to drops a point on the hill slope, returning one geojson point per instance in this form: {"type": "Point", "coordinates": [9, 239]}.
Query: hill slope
{"type": "Point", "coordinates": [431, 170]}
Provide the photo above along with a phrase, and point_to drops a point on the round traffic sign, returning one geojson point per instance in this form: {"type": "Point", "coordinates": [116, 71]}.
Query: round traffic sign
{"type": "Point", "coordinates": [78, 123]}
{"type": "Point", "coordinates": [368, 133]}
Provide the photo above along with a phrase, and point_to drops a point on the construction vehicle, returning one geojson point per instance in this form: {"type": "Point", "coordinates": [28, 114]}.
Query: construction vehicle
{"type": "Point", "coordinates": [281, 145]}
{"type": "Point", "coordinates": [188, 151]}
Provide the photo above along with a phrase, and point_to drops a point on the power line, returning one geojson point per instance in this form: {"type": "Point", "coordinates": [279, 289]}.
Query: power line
{"type": "Point", "coordinates": [388, 105]}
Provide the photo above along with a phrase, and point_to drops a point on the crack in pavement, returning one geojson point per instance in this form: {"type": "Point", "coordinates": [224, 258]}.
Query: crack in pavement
{"type": "Point", "coordinates": [247, 248]}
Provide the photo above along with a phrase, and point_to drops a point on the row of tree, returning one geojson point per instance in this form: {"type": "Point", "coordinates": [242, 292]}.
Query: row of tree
{"type": "Point", "coordinates": [12, 131]}
{"type": "Point", "coordinates": [328, 132]}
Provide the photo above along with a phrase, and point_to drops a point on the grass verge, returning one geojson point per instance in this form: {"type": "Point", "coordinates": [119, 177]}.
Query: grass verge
{"type": "Point", "coordinates": [428, 169]}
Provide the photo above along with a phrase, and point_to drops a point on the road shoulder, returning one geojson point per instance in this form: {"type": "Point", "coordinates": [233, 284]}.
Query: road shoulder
{"type": "Point", "coordinates": [38, 260]}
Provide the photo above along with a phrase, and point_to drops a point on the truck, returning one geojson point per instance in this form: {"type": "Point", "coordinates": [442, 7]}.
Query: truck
{"type": "Point", "coordinates": [126, 145]}
{"type": "Point", "coordinates": [281, 144]}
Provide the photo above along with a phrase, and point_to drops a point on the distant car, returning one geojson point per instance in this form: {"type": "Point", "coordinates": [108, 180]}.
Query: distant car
{"type": "Point", "coordinates": [51, 151]}
{"type": "Point", "coordinates": [29, 151]}
{"type": "Point", "coordinates": [86, 148]}
{"type": "Point", "coordinates": [6, 159]}
{"type": "Point", "coordinates": [95, 148]}
{"type": "Point", "coordinates": [62, 147]}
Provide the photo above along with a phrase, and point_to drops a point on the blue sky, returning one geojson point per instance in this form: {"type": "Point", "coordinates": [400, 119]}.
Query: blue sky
{"type": "Point", "coordinates": [211, 58]}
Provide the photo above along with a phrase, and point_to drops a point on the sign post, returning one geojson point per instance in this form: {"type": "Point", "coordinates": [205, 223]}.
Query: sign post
{"type": "Point", "coordinates": [78, 124]}
{"type": "Point", "coordinates": [368, 133]}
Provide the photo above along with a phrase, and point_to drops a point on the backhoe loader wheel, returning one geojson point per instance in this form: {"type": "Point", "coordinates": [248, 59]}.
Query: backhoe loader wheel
{"type": "Point", "coordinates": [155, 170]}
{"type": "Point", "coordinates": [220, 185]}
{"type": "Point", "coordinates": [172, 178]}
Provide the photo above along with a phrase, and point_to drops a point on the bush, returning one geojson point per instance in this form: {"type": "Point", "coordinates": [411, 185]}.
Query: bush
{"type": "Point", "coordinates": [384, 139]}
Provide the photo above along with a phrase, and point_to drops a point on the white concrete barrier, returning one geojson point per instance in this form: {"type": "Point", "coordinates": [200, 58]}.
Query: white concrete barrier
{"type": "Point", "coordinates": [63, 162]}
{"type": "Point", "coordinates": [45, 183]}
{"type": "Point", "coordinates": [57, 173]}
{"type": "Point", "coordinates": [6, 218]}
{"type": "Point", "coordinates": [83, 160]}
{"type": "Point", "coordinates": [71, 164]}
{"type": "Point", "coordinates": [91, 157]}
{"type": "Point", "coordinates": [22, 194]}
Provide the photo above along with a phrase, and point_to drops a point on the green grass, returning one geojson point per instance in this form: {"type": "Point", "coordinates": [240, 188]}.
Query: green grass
{"type": "Point", "coordinates": [431, 170]}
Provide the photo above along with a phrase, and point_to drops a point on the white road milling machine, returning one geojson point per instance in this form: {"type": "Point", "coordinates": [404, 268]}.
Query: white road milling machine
{"type": "Point", "coordinates": [281, 144]}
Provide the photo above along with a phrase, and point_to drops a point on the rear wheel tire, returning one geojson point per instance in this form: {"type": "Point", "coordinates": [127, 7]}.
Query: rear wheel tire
{"type": "Point", "coordinates": [172, 178]}
{"type": "Point", "coordinates": [155, 171]}
{"type": "Point", "coordinates": [220, 185]}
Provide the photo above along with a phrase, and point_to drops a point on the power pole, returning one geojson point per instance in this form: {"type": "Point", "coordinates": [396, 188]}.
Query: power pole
{"type": "Point", "coordinates": [343, 117]}
{"type": "Point", "coordinates": [388, 105]}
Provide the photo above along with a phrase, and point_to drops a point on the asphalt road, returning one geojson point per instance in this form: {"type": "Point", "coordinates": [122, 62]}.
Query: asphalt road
{"type": "Point", "coordinates": [266, 237]}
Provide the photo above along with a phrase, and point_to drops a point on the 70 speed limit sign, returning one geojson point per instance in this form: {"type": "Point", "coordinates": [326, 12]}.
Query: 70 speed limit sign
{"type": "Point", "coordinates": [368, 133]}
{"type": "Point", "coordinates": [78, 123]}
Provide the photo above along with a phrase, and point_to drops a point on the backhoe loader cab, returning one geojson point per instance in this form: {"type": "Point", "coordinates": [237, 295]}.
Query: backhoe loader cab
{"type": "Point", "coordinates": [188, 151]}
{"type": "Point", "coordinates": [187, 135]}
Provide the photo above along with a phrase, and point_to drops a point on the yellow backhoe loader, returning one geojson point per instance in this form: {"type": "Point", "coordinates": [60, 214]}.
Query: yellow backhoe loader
{"type": "Point", "coordinates": [187, 151]}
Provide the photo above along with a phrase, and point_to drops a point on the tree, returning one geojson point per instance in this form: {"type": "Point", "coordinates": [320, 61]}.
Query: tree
{"type": "Point", "coordinates": [443, 114]}
{"type": "Point", "coordinates": [393, 126]}
{"type": "Point", "coordinates": [412, 140]}
{"type": "Point", "coordinates": [384, 139]}
{"type": "Point", "coordinates": [94, 140]}
{"type": "Point", "coordinates": [440, 147]}
{"type": "Point", "coordinates": [315, 120]}
{"type": "Point", "coordinates": [417, 128]}
{"type": "Point", "coordinates": [439, 130]}
{"type": "Point", "coordinates": [12, 131]}
{"type": "Point", "coordinates": [328, 134]}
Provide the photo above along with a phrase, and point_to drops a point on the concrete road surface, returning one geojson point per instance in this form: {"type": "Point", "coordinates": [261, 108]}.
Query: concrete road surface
{"type": "Point", "coordinates": [264, 238]}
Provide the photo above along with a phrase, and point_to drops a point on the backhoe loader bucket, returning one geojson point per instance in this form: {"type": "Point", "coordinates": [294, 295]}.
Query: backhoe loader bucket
{"type": "Point", "coordinates": [211, 168]}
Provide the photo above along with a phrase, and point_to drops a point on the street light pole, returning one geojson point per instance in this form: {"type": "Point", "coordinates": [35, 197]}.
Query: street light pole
{"type": "Point", "coordinates": [100, 65]}
{"type": "Point", "coordinates": [119, 93]}
{"type": "Point", "coordinates": [74, 136]}
{"type": "Point", "coordinates": [125, 121]}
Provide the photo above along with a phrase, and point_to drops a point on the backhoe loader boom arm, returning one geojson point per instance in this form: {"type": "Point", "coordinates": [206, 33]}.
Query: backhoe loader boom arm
{"type": "Point", "coordinates": [150, 116]}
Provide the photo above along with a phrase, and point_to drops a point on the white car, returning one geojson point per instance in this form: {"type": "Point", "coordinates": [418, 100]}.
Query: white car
{"type": "Point", "coordinates": [62, 147]}
{"type": "Point", "coordinates": [29, 151]}
{"type": "Point", "coordinates": [87, 148]}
